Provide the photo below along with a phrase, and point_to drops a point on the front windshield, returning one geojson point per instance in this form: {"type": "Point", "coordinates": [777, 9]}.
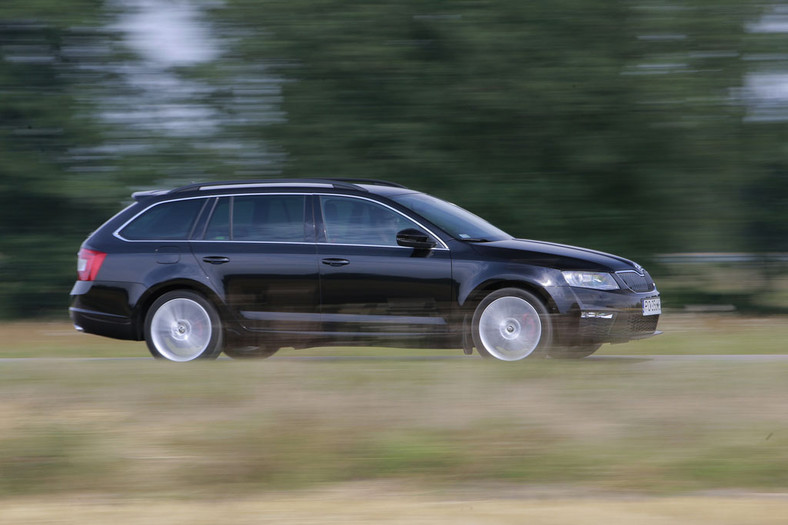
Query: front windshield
{"type": "Point", "coordinates": [457, 222]}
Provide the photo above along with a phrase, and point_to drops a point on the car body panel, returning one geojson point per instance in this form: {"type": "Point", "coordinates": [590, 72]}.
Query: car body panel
{"type": "Point", "coordinates": [266, 286]}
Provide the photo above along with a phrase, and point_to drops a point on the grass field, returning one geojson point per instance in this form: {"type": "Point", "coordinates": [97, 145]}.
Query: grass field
{"type": "Point", "coordinates": [396, 440]}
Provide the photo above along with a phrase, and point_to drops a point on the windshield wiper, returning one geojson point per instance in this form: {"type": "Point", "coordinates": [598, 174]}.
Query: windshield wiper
{"type": "Point", "coordinates": [475, 239]}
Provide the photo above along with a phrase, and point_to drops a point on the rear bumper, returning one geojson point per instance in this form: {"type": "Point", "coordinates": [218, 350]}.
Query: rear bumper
{"type": "Point", "coordinates": [102, 309]}
{"type": "Point", "coordinates": [100, 323]}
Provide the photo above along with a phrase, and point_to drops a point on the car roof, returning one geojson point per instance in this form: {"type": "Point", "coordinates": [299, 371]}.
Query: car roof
{"type": "Point", "coordinates": [375, 186]}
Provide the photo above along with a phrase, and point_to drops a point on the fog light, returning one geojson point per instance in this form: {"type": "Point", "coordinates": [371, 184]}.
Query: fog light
{"type": "Point", "coordinates": [596, 315]}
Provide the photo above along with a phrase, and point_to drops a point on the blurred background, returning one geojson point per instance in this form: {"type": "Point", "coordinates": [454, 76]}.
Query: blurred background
{"type": "Point", "coordinates": [653, 129]}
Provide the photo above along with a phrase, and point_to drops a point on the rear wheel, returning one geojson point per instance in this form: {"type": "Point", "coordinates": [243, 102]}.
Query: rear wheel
{"type": "Point", "coordinates": [511, 324]}
{"type": "Point", "coordinates": [183, 326]}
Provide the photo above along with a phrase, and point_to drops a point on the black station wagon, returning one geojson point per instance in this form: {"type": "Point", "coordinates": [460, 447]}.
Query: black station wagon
{"type": "Point", "coordinates": [250, 267]}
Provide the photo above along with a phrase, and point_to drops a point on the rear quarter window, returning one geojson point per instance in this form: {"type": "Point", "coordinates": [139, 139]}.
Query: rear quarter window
{"type": "Point", "coordinates": [166, 221]}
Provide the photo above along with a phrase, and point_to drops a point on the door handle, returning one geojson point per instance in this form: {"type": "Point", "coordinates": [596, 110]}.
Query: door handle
{"type": "Point", "coordinates": [216, 259]}
{"type": "Point", "coordinates": [333, 261]}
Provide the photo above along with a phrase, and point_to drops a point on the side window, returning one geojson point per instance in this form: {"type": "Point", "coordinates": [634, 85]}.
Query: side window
{"type": "Point", "coordinates": [273, 218]}
{"type": "Point", "coordinates": [269, 218]}
{"type": "Point", "coordinates": [219, 226]}
{"type": "Point", "coordinates": [167, 221]}
{"type": "Point", "coordinates": [357, 221]}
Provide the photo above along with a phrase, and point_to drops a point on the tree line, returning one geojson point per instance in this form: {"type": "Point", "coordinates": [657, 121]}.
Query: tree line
{"type": "Point", "coordinates": [638, 127]}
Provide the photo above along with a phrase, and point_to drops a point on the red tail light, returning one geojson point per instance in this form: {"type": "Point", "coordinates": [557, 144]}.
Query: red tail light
{"type": "Point", "coordinates": [88, 264]}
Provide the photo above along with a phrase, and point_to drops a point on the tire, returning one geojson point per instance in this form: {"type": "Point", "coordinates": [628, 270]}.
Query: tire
{"type": "Point", "coordinates": [250, 352]}
{"type": "Point", "coordinates": [572, 352]}
{"type": "Point", "coordinates": [183, 326]}
{"type": "Point", "coordinates": [511, 324]}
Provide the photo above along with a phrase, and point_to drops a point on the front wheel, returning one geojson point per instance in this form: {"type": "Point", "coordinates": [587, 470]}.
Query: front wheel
{"type": "Point", "coordinates": [183, 326]}
{"type": "Point", "coordinates": [511, 324]}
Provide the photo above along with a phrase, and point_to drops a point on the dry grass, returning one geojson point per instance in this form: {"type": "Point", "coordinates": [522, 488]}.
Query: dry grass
{"type": "Point", "coordinates": [349, 504]}
{"type": "Point", "coordinates": [396, 441]}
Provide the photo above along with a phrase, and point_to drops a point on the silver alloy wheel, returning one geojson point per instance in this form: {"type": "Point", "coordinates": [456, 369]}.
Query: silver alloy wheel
{"type": "Point", "coordinates": [181, 329]}
{"type": "Point", "coordinates": [510, 328]}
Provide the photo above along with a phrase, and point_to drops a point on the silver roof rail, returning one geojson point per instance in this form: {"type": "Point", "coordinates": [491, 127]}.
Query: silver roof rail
{"type": "Point", "coordinates": [270, 183]}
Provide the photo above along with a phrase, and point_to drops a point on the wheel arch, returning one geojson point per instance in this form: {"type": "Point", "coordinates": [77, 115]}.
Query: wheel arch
{"type": "Point", "coordinates": [145, 302]}
{"type": "Point", "coordinates": [482, 290]}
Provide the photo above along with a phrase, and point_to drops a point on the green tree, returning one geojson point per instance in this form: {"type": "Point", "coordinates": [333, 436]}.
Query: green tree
{"type": "Point", "coordinates": [596, 123]}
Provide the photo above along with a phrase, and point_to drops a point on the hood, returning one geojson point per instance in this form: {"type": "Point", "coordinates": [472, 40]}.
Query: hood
{"type": "Point", "coordinates": [558, 256]}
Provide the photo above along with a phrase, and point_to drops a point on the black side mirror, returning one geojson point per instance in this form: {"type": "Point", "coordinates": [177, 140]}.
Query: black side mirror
{"type": "Point", "coordinates": [413, 238]}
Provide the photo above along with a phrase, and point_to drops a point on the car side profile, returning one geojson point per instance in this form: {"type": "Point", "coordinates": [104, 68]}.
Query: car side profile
{"type": "Point", "coordinates": [249, 267]}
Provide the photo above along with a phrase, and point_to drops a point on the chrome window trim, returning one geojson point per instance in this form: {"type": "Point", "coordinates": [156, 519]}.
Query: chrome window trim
{"type": "Point", "coordinates": [443, 246]}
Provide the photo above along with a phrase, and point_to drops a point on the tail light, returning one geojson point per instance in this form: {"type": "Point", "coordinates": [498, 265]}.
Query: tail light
{"type": "Point", "coordinates": [88, 264]}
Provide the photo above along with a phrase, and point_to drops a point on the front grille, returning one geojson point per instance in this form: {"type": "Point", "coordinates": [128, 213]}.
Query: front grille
{"type": "Point", "coordinates": [637, 282]}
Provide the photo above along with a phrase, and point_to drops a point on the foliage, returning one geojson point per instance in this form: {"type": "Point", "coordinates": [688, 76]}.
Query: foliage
{"type": "Point", "coordinates": [636, 127]}
{"type": "Point", "coordinates": [586, 122]}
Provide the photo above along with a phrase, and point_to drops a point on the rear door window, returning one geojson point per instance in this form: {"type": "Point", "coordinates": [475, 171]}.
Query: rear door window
{"type": "Point", "coordinates": [262, 218]}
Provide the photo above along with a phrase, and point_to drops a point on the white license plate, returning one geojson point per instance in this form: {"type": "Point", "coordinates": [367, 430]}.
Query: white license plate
{"type": "Point", "coordinates": [652, 306]}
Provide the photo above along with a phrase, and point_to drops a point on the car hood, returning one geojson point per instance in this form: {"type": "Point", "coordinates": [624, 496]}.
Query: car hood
{"type": "Point", "coordinates": [558, 256]}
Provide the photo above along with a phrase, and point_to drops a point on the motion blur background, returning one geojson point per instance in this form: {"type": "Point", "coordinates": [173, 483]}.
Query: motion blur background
{"type": "Point", "coordinates": [642, 127]}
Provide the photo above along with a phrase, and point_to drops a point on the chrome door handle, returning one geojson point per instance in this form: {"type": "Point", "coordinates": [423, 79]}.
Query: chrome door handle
{"type": "Point", "coordinates": [216, 259]}
{"type": "Point", "coordinates": [333, 261]}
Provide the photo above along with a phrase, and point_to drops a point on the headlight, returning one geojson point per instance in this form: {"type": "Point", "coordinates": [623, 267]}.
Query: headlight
{"type": "Point", "coordinates": [595, 280]}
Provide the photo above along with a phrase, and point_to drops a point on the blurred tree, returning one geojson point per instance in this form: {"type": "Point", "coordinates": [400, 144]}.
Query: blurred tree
{"type": "Point", "coordinates": [604, 124]}
{"type": "Point", "coordinates": [636, 127]}
{"type": "Point", "coordinates": [41, 224]}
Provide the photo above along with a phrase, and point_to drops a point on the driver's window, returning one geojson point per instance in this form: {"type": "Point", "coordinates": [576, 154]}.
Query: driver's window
{"type": "Point", "coordinates": [357, 221]}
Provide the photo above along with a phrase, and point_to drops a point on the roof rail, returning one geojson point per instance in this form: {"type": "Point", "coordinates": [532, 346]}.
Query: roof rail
{"type": "Point", "coordinates": [140, 195]}
{"type": "Point", "coordinates": [262, 183]}
{"type": "Point", "coordinates": [373, 181]}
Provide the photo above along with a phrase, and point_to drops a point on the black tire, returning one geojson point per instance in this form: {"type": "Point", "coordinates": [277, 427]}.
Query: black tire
{"type": "Point", "coordinates": [183, 326]}
{"type": "Point", "coordinates": [572, 352]}
{"type": "Point", "coordinates": [250, 352]}
{"type": "Point", "coordinates": [511, 324]}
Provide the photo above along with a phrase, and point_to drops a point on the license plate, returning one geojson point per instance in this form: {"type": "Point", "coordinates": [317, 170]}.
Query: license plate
{"type": "Point", "coordinates": [652, 306]}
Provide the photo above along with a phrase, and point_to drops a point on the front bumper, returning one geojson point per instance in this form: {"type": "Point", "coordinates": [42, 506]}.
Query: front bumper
{"type": "Point", "coordinates": [620, 328]}
{"type": "Point", "coordinates": [595, 317]}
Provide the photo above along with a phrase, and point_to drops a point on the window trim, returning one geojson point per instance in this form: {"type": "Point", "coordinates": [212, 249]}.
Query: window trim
{"type": "Point", "coordinates": [316, 220]}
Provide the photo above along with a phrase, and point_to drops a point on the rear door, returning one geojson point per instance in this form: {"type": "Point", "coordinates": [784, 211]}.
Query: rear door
{"type": "Point", "coordinates": [259, 251]}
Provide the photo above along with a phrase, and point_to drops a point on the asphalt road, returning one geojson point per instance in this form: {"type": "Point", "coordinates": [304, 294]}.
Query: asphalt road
{"type": "Point", "coordinates": [634, 359]}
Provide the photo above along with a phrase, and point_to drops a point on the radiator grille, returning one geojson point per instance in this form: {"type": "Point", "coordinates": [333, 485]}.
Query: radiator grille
{"type": "Point", "coordinates": [637, 282]}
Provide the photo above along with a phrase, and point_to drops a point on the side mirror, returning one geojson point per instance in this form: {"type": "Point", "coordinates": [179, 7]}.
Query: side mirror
{"type": "Point", "coordinates": [413, 238]}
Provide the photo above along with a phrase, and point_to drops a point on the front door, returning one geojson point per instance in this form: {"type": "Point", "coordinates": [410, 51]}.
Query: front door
{"type": "Point", "coordinates": [371, 285]}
